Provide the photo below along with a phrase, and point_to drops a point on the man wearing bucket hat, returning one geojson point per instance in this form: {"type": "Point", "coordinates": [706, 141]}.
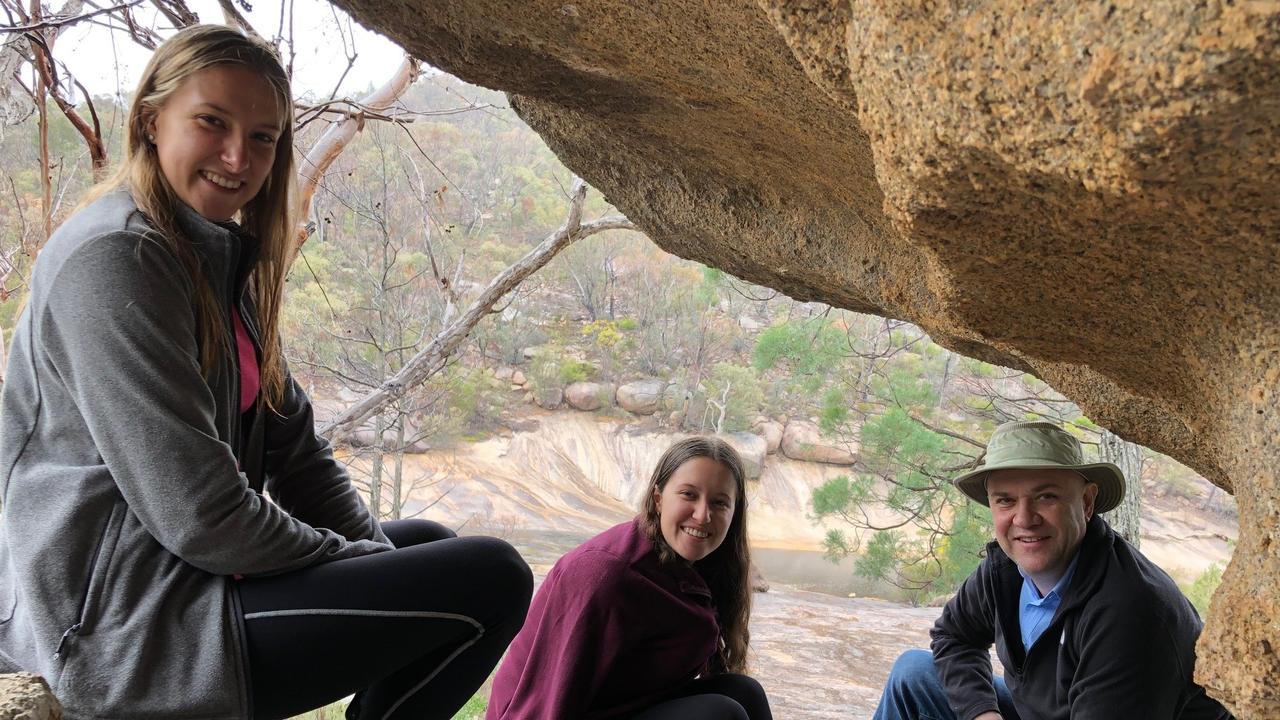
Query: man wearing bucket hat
{"type": "Point", "coordinates": [1084, 624]}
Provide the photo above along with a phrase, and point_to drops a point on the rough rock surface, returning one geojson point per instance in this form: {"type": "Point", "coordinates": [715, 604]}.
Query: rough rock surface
{"type": "Point", "coordinates": [1086, 191]}
{"type": "Point", "coordinates": [584, 395]}
{"type": "Point", "coordinates": [801, 440]}
{"type": "Point", "coordinates": [641, 397]}
{"type": "Point", "coordinates": [752, 449]}
{"type": "Point", "coordinates": [24, 696]}
{"type": "Point", "coordinates": [548, 398]}
{"type": "Point", "coordinates": [771, 431]}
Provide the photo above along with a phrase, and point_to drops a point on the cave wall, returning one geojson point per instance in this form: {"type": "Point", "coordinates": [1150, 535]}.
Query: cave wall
{"type": "Point", "coordinates": [1083, 191]}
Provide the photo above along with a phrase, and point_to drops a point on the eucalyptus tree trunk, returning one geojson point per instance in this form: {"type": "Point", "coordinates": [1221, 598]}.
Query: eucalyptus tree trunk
{"type": "Point", "coordinates": [375, 468]}
{"type": "Point", "coordinates": [1124, 519]}
{"type": "Point", "coordinates": [397, 479]}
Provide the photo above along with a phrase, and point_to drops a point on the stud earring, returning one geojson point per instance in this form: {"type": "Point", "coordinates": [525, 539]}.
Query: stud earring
{"type": "Point", "coordinates": [151, 138]}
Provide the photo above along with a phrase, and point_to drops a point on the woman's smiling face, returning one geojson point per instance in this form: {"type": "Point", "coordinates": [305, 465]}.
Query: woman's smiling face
{"type": "Point", "coordinates": [696, 506]}
{"type": "Point", "coordinates": [215, 137]}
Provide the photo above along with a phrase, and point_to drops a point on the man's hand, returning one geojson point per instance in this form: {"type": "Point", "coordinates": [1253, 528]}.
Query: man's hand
{"type": "Point", "coordinates": [989, 716]}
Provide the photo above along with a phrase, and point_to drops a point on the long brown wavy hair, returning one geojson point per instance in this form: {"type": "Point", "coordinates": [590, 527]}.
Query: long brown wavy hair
{"type": "Point", "coordinates": [268, 216]}
{"type": "Point", "coordinates": [727, 570]}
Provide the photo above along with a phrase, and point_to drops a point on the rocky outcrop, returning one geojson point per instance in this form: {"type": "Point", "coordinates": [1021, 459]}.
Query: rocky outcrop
{"type": "Point", "coordinates": [548, 398]}
{"type": "Point", "coordinates": [584, 395]}
{"type": "Point", "coordinates": [1086, 191]}
{"type": "Point", "coordinates": [752, 449]}
{"type": "Point", "coordinates": [24, 696]}
{"type": "Point", "coordinates": [641, 397]}
{"type": "Point", "coordinates": [802, 440]}
{"type": "Point", "coordinates": [771, 431]}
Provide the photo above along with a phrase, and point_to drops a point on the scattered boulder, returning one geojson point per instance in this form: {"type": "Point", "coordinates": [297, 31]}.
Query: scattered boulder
{"type": "Point", "coordinates": [758, 583]}
{"type": "Point", "coordinates": [584, 395]}
{"type": "Point", "coordinates": [642, 396]}
{"type": "Point", "coordinates": [532, 352]}
{"type": "Point", "coordinates": [752, 449]}
{"type": "Point", "coordinates": [674, 397]}
{"type": "Point", "coordinates": [771, 431]}
{"type": "Point", "coordinates": [548, 398]}
{"type": "Point", "coordinates": [801, 440]}
{"type": "Point", "coordinates": [518, 379]}
{"type": "Point", "coordinates": [504, 373]}
{"type": "Point", "coordinates": [24, 696]}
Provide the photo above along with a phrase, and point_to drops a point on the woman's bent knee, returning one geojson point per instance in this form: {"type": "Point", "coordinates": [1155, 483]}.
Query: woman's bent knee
{"type": "Point", "coordinates": [415, 531]}
{"type": "Point", "coordinates": [508, 574]}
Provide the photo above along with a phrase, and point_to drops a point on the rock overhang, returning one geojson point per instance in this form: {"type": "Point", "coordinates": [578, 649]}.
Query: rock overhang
{"type": "Point", "coordinates": [1084, 191]}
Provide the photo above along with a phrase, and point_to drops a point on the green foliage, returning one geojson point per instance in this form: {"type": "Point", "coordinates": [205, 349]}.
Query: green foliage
{"type": "Point", "coordinates": [738, 388]}
{"type": "Point", "coordinates": [961, 551]}
{"type": "Point", "coordinates": [834, 413]}
{"type": "Point", "coordinates": [468, 403]}
{"type": "Point", "coordinates": [1200, 592]}
{"type": "Point", "coordinates": [881, 558]}
{"type": "Point", "coordinates": [474, 709]}
{"type": "Point", "coordinates": [712, 280]}
{"type": "Point", "coordinates": [841, 494]}
{"type": "Point", "coordinates": [572, 371]}
{"type": "Point", "coordinates": [807, 347]}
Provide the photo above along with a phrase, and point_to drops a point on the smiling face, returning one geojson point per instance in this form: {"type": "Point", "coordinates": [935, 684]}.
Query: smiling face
{"type": "Point", "coordinates": [1040, 518]}
{"type": "Point", "coordinates": [696, 506]}
{"type": "Point", "coordinates": [215, 137]}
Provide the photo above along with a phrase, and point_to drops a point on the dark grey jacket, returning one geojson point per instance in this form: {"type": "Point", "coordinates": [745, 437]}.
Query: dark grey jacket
{"type": "Point", "coordinates": [1122, 644]}
{"type": "Point", "coordinates": [125, 509]}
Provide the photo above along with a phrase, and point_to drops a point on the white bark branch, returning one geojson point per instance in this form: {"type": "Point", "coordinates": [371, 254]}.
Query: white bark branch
{"type": "Point", "coordinates": [339, 135]}
{"type": "Point", "coordinates": [428, 360]}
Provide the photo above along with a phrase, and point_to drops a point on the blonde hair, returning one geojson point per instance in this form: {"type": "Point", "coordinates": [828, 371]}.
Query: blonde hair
{"type": "Point", "coordinates": [267, 216]}
{"type": "Point", "coordinates": [727, 570]}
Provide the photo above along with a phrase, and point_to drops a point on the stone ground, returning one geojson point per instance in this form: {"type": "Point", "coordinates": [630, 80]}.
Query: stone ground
{"type": "Point", "coordinates": [822, 657]}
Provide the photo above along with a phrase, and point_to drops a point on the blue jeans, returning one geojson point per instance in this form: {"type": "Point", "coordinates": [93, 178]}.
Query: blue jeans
{"type": "Point", "coordinates": [914, 692]}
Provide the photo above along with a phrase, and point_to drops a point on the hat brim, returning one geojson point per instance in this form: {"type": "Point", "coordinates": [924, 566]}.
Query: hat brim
{"type": "Point", "coordinates": [1108, 478]}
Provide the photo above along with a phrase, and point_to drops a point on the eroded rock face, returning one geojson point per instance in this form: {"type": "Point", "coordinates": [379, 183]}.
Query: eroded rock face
{"type": "Point", "coordinates": [24, 696]}
{"type": "Point", "coordinates": [641, 397]}
{"type": "Point", "coordinates": [1087, 191]}
{"type": "Point", "coordinates": [752, 449]}
{"type": "Point", "coordinates": [802, 440]}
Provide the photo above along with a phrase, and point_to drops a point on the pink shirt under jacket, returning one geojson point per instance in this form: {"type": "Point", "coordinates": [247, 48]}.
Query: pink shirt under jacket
{"type": "Point", "coordinates": [610, 632]}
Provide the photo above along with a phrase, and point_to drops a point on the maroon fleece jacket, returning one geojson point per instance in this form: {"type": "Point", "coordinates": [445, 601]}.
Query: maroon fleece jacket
{"type": "Point", "coordinates": [611, 631]}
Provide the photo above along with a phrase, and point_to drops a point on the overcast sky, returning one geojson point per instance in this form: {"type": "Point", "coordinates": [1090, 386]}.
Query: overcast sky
{"type": "Point", "coordinates": [107, 62]}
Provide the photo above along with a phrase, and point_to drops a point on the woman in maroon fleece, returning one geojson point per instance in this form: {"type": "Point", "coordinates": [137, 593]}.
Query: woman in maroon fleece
{"type": "Point", "coordinates": [647, 620]}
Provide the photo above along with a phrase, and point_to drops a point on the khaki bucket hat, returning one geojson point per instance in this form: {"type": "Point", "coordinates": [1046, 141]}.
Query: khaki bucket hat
{"type": "Point", "coordinates": [1040, 445]}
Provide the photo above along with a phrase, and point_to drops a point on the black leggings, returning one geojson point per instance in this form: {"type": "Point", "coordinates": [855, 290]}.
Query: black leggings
{"type": "Point", "coordinates": [720, 697]}
{"type": "Point", "coordinates": [437, 610]}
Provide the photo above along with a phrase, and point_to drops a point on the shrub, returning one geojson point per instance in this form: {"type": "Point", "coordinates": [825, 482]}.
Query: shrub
{"type": "Point", "coordinates": [572, 371]}
{"type": "Point", "coordinates": [1200, 592]}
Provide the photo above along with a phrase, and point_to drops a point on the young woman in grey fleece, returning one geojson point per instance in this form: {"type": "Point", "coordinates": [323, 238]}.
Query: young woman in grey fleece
{"type": "Point", "coordinates": [147, 409]}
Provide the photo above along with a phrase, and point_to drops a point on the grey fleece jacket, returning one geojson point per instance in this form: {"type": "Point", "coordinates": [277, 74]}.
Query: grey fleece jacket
{"type": "Point", "coordinates": [125, 508]}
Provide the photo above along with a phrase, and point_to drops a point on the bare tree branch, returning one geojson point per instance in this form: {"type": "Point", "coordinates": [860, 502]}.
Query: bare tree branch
{"type": "Point", "coordinates": [441, 348]}
{"type": "Point", "coordinates": [339, 135]}
{"type": "Point", "coordinates": [61, 21]}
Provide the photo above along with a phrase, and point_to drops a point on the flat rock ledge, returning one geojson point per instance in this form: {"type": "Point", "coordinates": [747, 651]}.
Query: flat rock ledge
{"type": "Point", "coordinates": [24, 696]}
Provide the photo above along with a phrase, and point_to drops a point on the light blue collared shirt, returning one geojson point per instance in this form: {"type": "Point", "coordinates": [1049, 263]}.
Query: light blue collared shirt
{"type": "Point", "coordinates": [1036, 612]}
